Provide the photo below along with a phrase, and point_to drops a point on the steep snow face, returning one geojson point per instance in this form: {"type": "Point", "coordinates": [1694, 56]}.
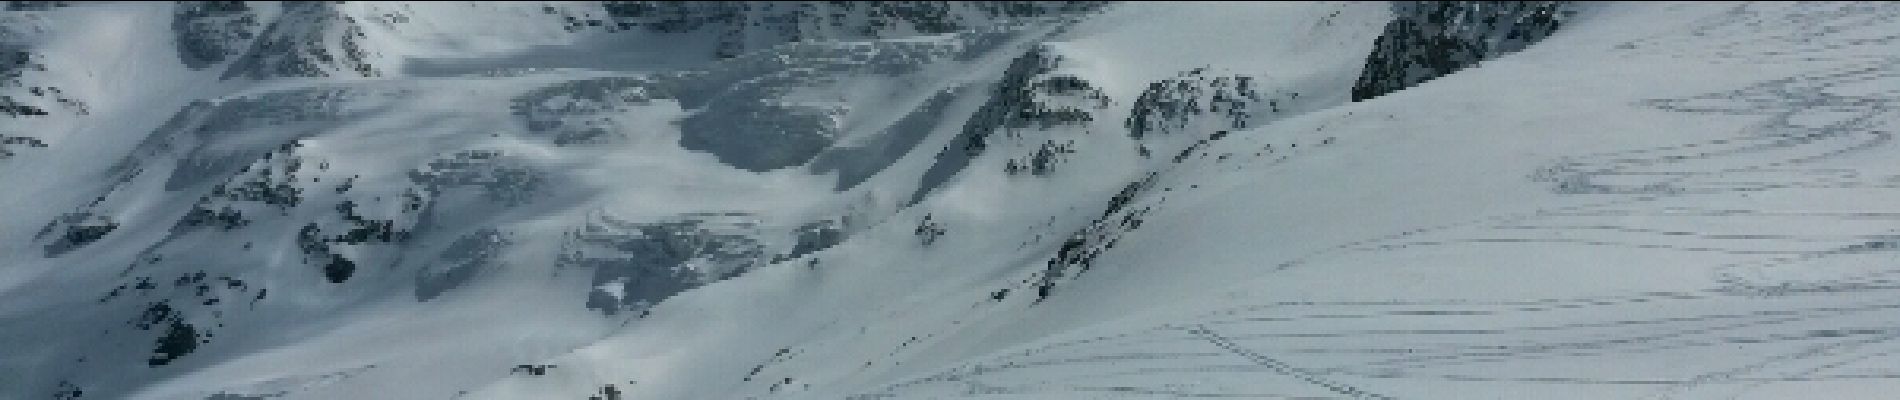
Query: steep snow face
{"type": "Point", "coordinates": [268, 177]}
{"type": "Point", "coordinates": [529, 200]}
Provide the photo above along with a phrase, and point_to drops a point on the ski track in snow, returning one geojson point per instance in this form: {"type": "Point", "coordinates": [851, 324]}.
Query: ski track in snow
{"type": "Point", "coordinates": [1783, 316]}
{"type": "Point", "coordinates": [1789, 223]}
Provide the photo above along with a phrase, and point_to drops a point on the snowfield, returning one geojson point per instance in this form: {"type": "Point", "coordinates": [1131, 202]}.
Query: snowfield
{"type": "Point", "coordinates": [928, 200]}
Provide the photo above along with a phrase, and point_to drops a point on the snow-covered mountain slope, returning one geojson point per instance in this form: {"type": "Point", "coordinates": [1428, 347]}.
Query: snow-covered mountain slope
{"type": "Point", "coordinates": [1034, 200]}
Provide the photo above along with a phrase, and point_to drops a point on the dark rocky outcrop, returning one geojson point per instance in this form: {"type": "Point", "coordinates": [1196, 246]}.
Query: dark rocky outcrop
{"type": "Point", "coordinates": [756, 134]}
{"type": "Point", "coordinates": [1174, 105]}
{"type": "Point", "coordinates": [68, 391]}
{"type": "Point", "coordinates": [742, 110]}
{"type": "Point", "coordinates": [74, 230]}
{"type": "Point", "coordinates": [745, 26]}
{"type": "Point", "coordinates": [1080, 250]}
{"type": "Point", "coordinates": [1430, 39]}
{"type": "Point", "coordinates": [203, 134]}
{"type": "Point", "coordinates": [499, 178]}
{"type": "Point", "coordinates": [1029, 96]}
{"type": "Point", "coordinates": [208, 32]}
{"type": "Point", "coordinates": [310, 39]}
{"type": "Point", "coordinates": [465, 258]}
{"type": "Point", "coordinates": [15, 61]}
{"type": "Point", "coordinates": [745, 112]}
{"type": "Point", "coordinates": [6, 143]}
{"type": "Point", "coordinates": [814, 236]}
{"type": "Point", "coordinates": [639, 264]}
{"type": "Point", "coordinates": [1043, 160]}
{"type": "Point", "coordinates": [178, 340]}
{"type": "Point", "coordinates": [21, 94]}
{"type": "Point", "coordinates": [177, 337]}
{"type": "Point", "coordinates": [584, 111]}
{"type": "Point", "coordinates": [23, 5]}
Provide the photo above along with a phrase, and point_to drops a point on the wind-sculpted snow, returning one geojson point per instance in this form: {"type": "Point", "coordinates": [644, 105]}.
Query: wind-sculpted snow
{"type": "Point", "coordinates": [854, 164]}
{"type": "Point", "coordinates": [582, 111]}
{"type": "Point", "coordinates": [253, 197]}
{"type": "Point", "coordinates": [217, 137]}
{"type": "Point", "coordinates": [743, 27]}
{"type": "Point", "coordinates": [947, 200]}
{"type": "Point", "coordinates": [497, 176]}
{"type": "Point", "coordinates": [747, 113]}
{"type": "Point", "coordinates": [308, 39]}
{"type": "Point", "coordinates": [1755, 254]}
{"type": "Point", "coordinates": [1028, 96]}
{"type": "Point", "coordinates": [637, 265]}
{"type": "Point", "coordinates": [754, 111]}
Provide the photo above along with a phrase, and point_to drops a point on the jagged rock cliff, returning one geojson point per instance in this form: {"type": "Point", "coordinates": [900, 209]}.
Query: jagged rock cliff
{"type": "Point", "coordinates": [1429, 39]}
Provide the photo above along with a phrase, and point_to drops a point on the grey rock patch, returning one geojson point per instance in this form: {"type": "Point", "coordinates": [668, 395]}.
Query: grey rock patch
{"type": "Point", "coordinates": [639, 264]}
{"type": "Point", "coordinates": [209, 32]}
{"type": "Point", "coordinates": [1430, 39]}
